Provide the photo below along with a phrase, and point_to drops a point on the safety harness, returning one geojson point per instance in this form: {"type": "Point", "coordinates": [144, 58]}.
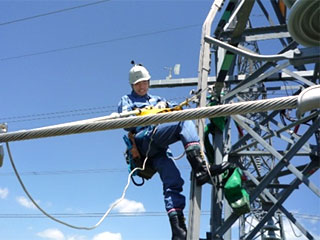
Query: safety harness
{"type": "Point", "coordinates": [132, 154]}
{"type": "Point", "coordinates": [135, 160]}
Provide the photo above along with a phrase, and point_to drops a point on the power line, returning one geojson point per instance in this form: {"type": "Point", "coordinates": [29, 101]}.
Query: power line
{"type": "Point", "coordinates": [58, 113]}
{"type": "Point", "coordinates": [91, 215]}
{"type": "Point", "coordinates": [73, 112]}
{"type": "Point", "coordinates": [53, 12]}
{"type": "Point", "coordinates": [57, 116]}
{"type": "Point", "coordinates": [74, 171]}
{"type": "Point", "coordinates": [115, 122]}
{"type": "Point", "coordinates": [64, 114]}
{"type": "Point", "coordinates": [99, 42]}
{"type": "Point", "coordinates": [66, 172]}
{"type": "Point", "coordinates": [125, 214]}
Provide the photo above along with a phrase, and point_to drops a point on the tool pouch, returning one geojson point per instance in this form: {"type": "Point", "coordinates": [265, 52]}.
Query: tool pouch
{"type": "Point", "coordinates": [135, 160]}
{"type": "Point", "coordinates": [235, 192]}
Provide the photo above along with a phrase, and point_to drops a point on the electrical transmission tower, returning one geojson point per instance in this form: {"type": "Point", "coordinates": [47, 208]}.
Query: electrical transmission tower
{"type": "Point", "coordinates": [258, 50]}
{"type": "Point", "coordinates": [250, 50]}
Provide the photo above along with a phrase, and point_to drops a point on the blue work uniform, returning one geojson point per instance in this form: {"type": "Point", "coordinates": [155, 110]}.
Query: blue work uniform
{"type": "Point", "coordinates": [159, 154]}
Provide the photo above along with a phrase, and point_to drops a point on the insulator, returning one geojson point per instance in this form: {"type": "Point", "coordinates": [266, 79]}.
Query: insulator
{"type": "Point", "coordinates": [270, 229]}
{"type": "Point", "coordinates": [258, 162]}
{"type": "Point", "coordinates": [304, 22]}
{"type": "Point", "coordinates": [271, 237]}
{"type": "Point", "coordinates": [289, 3]}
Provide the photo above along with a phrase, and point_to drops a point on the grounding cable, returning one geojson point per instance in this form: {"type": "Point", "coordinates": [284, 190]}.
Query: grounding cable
{"type": "Point", "coordinates": [106, 213]}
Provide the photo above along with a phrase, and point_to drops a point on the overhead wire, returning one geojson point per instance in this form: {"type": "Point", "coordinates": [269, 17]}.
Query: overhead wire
{"type": "Point", "coordinates": [67, 172]}
{"type": "Point", "coordinates": [100, 42]}
{"type": "Point", "coordinates": [51, 13]}
{"type": "Point", "coordinates": [85, 44]}
{"type": "Point", "coordinates": [125, 214]}
{"type": "Point", "coordinates": [76, 171]}
{"type": "Point", "coordinates": [72, 113]}
{"type": "Point", "coordinates": [58, 112]}
{"type": "Point", "coordinates": [93, 214]}
{"type": "Point", "coordinates": [106, 213]}
{"type": "Point", "coordinates": [114, 122]}
{"type": "Point", "coordinates": [67, 113]}
{"type": "Point", "coordinates": [43, 53]}
{"type": "Point", "coordinates": [44, 116]}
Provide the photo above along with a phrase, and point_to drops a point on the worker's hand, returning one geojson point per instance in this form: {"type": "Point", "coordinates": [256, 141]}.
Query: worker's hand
{"type": "Point", "coordinates": [161, 105]}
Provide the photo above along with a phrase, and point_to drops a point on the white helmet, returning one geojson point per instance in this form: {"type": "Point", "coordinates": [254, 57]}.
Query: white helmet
{"type": "Point", "coordinates": [138, 73]}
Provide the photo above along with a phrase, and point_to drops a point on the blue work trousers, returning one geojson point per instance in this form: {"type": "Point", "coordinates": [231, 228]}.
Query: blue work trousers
{"type": "Point", "coordinates": [155, 144]}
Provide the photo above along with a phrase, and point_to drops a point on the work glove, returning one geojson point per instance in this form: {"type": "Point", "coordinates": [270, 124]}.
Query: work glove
{"type": "Point", "coordinates": [161, 105]}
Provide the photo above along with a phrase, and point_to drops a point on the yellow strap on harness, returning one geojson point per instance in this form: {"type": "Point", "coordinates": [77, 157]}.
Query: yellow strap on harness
{"type": "Point", "coordinates": [154, 110]}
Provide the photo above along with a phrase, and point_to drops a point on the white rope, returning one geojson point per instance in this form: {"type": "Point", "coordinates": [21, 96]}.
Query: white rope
{"type": "Point", "coordinates": [110, 122]}
{"type": "Point", "coordinates": [132, 121]}
{"type": "Point", "coordinates": [107, 212]}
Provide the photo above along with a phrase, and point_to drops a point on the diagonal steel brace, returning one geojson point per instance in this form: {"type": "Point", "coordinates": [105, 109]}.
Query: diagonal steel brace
{"type": "Point", "coordinates": [270, 176]}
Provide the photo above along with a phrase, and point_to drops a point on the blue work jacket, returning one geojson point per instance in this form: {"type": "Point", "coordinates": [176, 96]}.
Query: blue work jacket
{"type": "Point", "coordinates": [133, 101]}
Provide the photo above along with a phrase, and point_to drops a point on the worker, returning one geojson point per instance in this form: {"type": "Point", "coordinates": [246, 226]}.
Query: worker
{"type": "Point", "coordinates": [153, 142]}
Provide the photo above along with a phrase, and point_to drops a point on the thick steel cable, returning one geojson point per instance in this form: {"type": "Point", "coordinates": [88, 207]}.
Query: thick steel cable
{"type": "Point", "coordinates": [133, 121]}
{"type": "Point", "coordinates": [113, 205]}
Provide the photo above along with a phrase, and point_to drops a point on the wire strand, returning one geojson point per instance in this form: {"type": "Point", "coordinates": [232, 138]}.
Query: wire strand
{"type": "Point", "coordinates": [67, 113]}
{"type": "Point", "coordinates": [174, 116]}
{"type": "Point", "coordinates": [53, 12]}
{"type": "Point", "coordinates": [99, 42]}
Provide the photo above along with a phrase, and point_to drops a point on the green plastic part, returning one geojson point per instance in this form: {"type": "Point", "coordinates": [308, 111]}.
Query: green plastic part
{"type": "Point", "coordinates": [227, 62]}
{"type": "Point", "coordinates": [214, 123]}
{"type": "Point", "coordinates": [236, 195]}
{"type": "Point", "coordinates": [219, 122]}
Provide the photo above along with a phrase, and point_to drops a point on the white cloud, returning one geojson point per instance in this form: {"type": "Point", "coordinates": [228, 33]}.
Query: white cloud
{"type": "Point", "coordinates": [128, 206]}
{"type": "Point", "coordinates": [4, 193]}
{"type": "Point", "coordinates": [314, 221]}
{"type": "Point", "coordinates": [107, 236]}
{"type": "Point", "coordinates": [76, 237]}
{"type": "Point", "coordinates": [23, 201]}
{"type": "Point", "coordinates": [293, 233]}
{"type": "Point", "coordinates": [51, 233]}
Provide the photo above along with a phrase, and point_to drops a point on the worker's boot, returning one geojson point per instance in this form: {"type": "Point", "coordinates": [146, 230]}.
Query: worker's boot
{"type": "Point", "coordinates": [178, 226]}
{"type": "Point", "coordinates": [198, 164]}
{"type": "Point", "coordinates": [219, 168]}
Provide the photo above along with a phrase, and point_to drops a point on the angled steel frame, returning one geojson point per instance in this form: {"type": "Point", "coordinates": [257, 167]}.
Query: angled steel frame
{"type": "Point", "coordinates": [254, 150]}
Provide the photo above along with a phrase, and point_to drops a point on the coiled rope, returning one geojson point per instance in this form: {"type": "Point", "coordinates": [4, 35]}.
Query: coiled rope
{"type": "Point", "coordinates": [133, 121]}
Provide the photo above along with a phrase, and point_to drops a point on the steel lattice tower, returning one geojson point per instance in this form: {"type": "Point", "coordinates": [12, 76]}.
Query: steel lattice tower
{"type": "Point", "coordinates": [254, 52]}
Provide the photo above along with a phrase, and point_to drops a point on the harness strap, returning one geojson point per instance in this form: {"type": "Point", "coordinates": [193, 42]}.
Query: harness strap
{"type": "Point", "coordinates": [134, 150]}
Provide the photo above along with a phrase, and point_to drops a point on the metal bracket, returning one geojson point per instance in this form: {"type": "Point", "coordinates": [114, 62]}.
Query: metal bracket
{"type": "Point", "coordinates": [3, 129]}
{"type": "Point", "coordinates": [297, 56]}
{"type": "Point", "coordinates": [308, 99]}
{"type": "Point", "coordinates": [270, 58]}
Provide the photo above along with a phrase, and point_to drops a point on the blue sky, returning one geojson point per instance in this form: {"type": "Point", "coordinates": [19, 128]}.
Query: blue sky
{"type": "Point", "coordinates": [74, 65]}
